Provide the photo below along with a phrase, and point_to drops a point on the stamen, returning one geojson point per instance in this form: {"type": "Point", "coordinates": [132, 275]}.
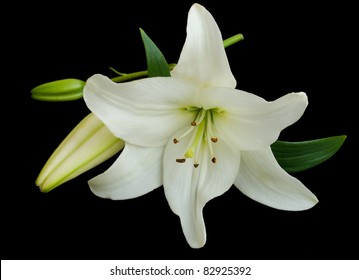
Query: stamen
{"type": "Point", "coordinates": [203, 135]}
{"type": "Point", "coordinates": [210, 138]}
{"type": "Point", "coordinates": [188, 131]}
{"type": "Point", "coordinates": [200, 116]}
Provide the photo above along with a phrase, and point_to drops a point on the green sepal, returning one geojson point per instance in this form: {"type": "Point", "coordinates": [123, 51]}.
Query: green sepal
{"type": "Point", "coordinates": [60, 90]}
{"type": "Point", "coordinates": [157, 65]}
{"type": "Point", "coordinates": [298, 156]}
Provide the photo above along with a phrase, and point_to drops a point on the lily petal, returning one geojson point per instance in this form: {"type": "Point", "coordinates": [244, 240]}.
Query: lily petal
{"type": "Point", "coordinates": [247, 121]}
{"type": "Point", "coordinates": [151, 108]}
{"type": "Point", "coordinates": [261, 178]}
{"type": "Point", "coordinates": [136, 172]}
{"type": "Point", "coordinates": [188, 189]}
{"type": "Point", "coordinates": [203, 58]}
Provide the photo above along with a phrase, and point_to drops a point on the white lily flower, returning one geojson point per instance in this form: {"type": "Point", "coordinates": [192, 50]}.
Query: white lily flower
{"type": "Point", "coordinates": [195, 134]}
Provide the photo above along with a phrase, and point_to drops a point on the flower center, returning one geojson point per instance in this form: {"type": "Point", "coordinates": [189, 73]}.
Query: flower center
{"type": "Point", "coordinates": [201, 134]}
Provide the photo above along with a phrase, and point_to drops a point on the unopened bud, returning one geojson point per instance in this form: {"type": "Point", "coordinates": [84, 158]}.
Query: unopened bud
{"type": "Point", "coordinates": [60, 90]}
{"type": "Point", "coordinates": [88, 144]}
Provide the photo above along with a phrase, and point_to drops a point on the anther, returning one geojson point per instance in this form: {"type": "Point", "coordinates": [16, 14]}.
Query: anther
{"type": "Point", "coordinates": [214, 160]}
{"type": "Point", "coordinates": [181, 160]}
{"type": "Point", "coordinates": [196, 165]}
{"type": "Point", "coordinates": [193, 123]}
{"type": "Point", "coordinates": [214, 139]}
{"type": "Point", "coordinates": [175, 140]}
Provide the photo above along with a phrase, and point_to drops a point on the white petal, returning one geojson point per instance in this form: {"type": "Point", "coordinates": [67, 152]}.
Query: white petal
{"type": "Point", "coordinates": [188, 189]}
{"type": "Point", "coordinates": [261, 178]}
{"type": "Point", "coordinates": [136, 172]}
{"type": "Point", "coordinates": [144, 112]}
{"type": "Point", "coordinates": [247, 121]}
{"type": "Point", "coordinates": [203, 58]}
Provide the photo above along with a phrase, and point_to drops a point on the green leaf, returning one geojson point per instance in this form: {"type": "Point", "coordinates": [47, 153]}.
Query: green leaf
{"type": "Point", "coordinates": [299, 156]}
{"type": "Point", "coordinates": [157, 65]}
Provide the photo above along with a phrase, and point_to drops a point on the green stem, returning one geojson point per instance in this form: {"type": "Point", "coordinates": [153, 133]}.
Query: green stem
{"type": "Point", "coordinates": [135, 75]}
{"type": "Point", "coordinates": [232, 40]}
{"type": "Point", "coordinates": [129, 77]}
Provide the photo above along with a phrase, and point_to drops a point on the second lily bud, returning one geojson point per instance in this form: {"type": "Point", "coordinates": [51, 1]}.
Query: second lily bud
{"type": "Point", "coordinates": [60, 90]}
{"type": "Point", "coordinates": [88, 144]}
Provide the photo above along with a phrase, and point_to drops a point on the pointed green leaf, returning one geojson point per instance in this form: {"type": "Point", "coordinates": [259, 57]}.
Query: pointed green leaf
{"type": "Point", "coordinates": [299, 156]}
{"type": "Point", "coordinates": [156, 63]}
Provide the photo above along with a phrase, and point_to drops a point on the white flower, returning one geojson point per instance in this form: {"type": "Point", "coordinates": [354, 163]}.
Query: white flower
{"type": "Point", "coordinates": [195, 134]}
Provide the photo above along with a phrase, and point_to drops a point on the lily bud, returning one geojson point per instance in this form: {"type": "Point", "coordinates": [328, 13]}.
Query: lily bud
{"type": "Point", "coordinates": [60, 90]}
{"type": "Point", "coordinates": [88, 144]}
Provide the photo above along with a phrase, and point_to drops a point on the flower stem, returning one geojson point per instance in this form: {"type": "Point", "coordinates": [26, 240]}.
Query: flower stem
{"type": "Point", "coordinates": [135, 75]}
{"type": "Point", "coordinates": [129, 77]}
{"type": "Point", "coordinates": [232, 40]}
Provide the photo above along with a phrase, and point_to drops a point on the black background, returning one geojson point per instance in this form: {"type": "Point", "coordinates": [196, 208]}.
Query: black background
{"type": "Point", "coordinates": [288, 47]}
